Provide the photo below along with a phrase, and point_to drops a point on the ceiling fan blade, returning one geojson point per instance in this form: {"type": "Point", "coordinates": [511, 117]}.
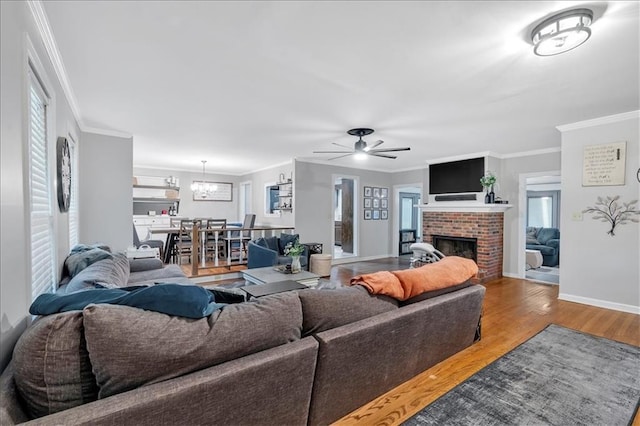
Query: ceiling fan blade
{"type": "Point", "coordinates": [406, 148]}
{"type": "Point", "coordinates": [342, 146]}
{"type": "Point", "coordinates": [376, 154]}
{"type": "Point", "coordinates": [373, 145]}
{"type": "Point", "coordinates": [332, 152]}
{"type": "Point", "coordinates": [340, 156]}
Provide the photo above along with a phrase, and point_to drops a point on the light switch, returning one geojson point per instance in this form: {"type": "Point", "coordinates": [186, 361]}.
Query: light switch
{"type": "Point", "coordinates": [577, 216]}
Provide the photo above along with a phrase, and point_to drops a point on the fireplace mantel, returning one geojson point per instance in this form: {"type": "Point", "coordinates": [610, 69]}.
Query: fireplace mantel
{"type": "Point", "coordinates": [465, 207]}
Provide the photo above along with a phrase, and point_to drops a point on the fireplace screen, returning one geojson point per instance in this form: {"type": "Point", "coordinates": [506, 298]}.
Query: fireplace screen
{"type": "Point", "coordinates": [457, 246]}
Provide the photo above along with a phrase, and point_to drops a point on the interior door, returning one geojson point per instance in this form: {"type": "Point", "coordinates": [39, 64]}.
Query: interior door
{"type": "Point", "coordinates": [408, 212]}
{"type": "Point", "coordinates": [347, 216]}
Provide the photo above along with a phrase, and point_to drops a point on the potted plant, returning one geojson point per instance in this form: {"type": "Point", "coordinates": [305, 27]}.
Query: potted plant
{"type": "Point", "coordinates": [294, 250]}
{"type": "Point", "coordinates": [487, 181]}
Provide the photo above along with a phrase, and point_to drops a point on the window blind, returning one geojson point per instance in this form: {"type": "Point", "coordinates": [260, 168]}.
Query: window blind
{"type": "Point", "coordinates": [73, 204]}
{"type": "Point", "coordinates": [42, 260]}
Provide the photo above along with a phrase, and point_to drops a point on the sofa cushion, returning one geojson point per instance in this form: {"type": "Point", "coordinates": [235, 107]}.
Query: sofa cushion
{"type": "Point", "coordinates": [327, 309]}
{"type": "Point", "coordinates": [108, 273]}
{"type": "Point", "coordinates": [82, 256]}
{"type": "Point", "coordinates": [286, 239]}
{"type": "Point", "coordinates": [52, 367]}
{"type": "Point", "coordinates": [546, 234]}
{"type": "Point", "coordinates": [130, 347]}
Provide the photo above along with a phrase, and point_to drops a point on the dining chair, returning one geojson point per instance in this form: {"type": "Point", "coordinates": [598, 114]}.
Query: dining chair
{"type": "Point", "coordinates": [234, 240]}
{"type": "Point", "coordinates": [183, 244]}
{"type": "Point", "coordinates": [214, 226]}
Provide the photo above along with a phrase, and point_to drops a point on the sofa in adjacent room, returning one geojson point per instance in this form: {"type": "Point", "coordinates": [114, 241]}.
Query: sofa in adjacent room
{"type": "Point", "coordinates": [296, 358]}
{"type": "Point", "coordinates": [269, 251]}
{"type": "Point", "coordinates": [547, 242]}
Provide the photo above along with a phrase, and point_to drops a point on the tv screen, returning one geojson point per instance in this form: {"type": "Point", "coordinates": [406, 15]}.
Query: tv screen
{"type": "Point", "coordinates": [456, 176]}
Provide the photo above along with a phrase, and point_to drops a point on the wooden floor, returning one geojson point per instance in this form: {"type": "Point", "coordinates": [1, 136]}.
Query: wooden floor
{"type": "Point", "coordinates": [514, 311]}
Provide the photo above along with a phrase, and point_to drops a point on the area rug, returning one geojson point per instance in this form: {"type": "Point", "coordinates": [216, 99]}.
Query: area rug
{"type": "Point", "coordinates": [558, 377]}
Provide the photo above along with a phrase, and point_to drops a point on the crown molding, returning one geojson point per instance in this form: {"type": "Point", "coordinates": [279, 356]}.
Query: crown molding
{"type": "Point", "coordinates": [105, 132]}
{"type": "Point", "coordinates": [533, 152]}
{"type": "Point", "coordinates": [328, 163]}
{"type": "Point", "coordinates": [50, 45]}
{"type": "Point", "coordinates": [608, 119]}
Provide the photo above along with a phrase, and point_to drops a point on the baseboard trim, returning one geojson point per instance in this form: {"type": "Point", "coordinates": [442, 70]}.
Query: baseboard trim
{"type": "Point", "coordinates": [510, 275]}
{"type": "Point", "coordinates": [353, 259]}
{"type": "Point", "coordinates": [600, 303]}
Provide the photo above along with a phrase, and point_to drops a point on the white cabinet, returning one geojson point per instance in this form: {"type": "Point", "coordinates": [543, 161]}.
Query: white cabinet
{"type": "Point", "coordinates": [143, 225]}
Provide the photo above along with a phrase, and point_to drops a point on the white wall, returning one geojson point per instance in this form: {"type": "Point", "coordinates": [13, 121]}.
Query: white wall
{"type": "Point", "coordinates": [597, 268]}
{"type": "Point", "coordinates": [270, 176]}
{"type": "Point", "coordinates": [106, 193]}
{"type": "Point", "coordinates": [508, 174]}
{"type": "Point", "coordinates": [15, 286]}
{"type": "Point", "coordinates": [314, 208]}
{"type": "Point", "coordinates": [190, 208]}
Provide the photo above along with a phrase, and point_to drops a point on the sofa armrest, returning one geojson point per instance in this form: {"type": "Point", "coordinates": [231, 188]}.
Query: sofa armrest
{"type": "Point", "coordinates": [260, 257]}
{"type": "Point", "coordinates": [555, 243]}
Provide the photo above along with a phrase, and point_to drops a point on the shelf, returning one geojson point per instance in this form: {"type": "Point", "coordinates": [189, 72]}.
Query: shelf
{"type": "Point", "coordinates": [284, 183]}
{"type": "Point", "coordinates": [156, 200]}
{"type": "Point", "coordinates": [157, 187]}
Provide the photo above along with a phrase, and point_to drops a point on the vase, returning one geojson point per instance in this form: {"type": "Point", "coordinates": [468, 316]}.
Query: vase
{"type": "Point", "coordinates": [295, 264]}
{"type": "Point", "coordinates": [486, 197]}
{"type": "Point", "coordinates": [492, 196]}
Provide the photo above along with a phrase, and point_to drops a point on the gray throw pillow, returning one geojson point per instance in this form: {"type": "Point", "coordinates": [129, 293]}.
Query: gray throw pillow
{"type": "Point", "coordinates": [107, 273]}
{"type": "Point", "coordinates": [532, 240]}
{"type": "Point", "coordinates": [286, 239]}
{"type": "Point", "coordinates": [130, 347]}
{"type": "Point", "coordinates": [327, 309]}
{"type": "Point", "coordinates": [52, 368]}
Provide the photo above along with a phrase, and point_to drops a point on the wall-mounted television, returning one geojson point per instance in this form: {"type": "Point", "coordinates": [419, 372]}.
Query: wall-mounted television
{"type": "Point", "coordinates": [456, 177]}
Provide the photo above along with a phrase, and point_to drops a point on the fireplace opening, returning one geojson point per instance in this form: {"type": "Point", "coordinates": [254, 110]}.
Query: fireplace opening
{"type": "Point", "coordinates": [457, 246]}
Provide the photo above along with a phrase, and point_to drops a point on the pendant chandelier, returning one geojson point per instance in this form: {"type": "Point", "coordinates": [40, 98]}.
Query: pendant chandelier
{"type": "Point", "coordinates": [202, 186]}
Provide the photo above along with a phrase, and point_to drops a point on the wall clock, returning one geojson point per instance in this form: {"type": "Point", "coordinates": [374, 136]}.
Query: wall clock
{"type": "Point", "coordinates": [64, 173]}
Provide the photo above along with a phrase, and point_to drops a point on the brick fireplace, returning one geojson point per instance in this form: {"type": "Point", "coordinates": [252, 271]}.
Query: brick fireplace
{"type": "Point", "coordinates": [485, 224]}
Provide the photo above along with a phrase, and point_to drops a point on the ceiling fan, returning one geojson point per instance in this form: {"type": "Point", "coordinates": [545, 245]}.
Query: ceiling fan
{"type": "Point", "coordinates": [360, 148]}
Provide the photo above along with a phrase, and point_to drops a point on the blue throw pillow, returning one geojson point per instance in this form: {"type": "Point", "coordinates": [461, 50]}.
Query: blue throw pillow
{"type": "Point", "coordinates": [261, 242]}
{"type": "Point", "coordinates": [272, 243]}
{"type": "Point", "coordinates": [286, 239]}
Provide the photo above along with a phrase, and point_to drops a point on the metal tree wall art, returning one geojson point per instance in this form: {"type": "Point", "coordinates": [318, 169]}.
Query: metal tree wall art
{"type": "Point", "coordinates": [610, 210]}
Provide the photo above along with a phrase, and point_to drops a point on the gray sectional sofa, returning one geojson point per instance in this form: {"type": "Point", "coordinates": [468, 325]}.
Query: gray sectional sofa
{"type": "Point", "coordinates": [295, 358]}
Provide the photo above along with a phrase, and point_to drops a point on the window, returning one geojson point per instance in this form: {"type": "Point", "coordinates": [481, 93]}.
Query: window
{"type": "Point", "coordinates": [272, 200]}
{"type": "Point", "coordinates": [41, 215]}
{"type": "Point", "coordinates": [73, 205]}
{"type": "Point", "coordinates": [543, 208]}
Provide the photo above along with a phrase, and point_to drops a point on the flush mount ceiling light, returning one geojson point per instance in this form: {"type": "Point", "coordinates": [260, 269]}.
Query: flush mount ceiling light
{"type": "Point", "coordinates": [562, 32]}
{"type": "Point", "coordinates": [203, 186]}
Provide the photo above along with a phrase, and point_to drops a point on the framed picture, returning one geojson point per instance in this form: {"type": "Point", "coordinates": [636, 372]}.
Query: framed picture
{"type": "Point", "coordinates": [367, 215]}
{"type": "Point", "coordinates": [384, 203]}
{"type": "Point", "coordinates": [376, 192]}
{"type": "Point", "coordinates": [376, 215]}
{"type": "Point", "coordinates": [367, 203]}
{"type": "Point", "coordinates": [222, 192]}
{"type": "Point", "coordinates": [367, 191]}
{"type": "Point", "coordinates": [384, 214]}
{"type": "Point", "coordinates": [376, 203]}
{"type": "Point", "coordinates": [384, 192]}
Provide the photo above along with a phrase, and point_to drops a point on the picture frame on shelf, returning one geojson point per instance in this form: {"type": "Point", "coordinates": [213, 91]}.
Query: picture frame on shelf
{"type": "Point", "coordinates": [376, 215]}
{"type": "Point", "coordinates": [376, 192]}
{"type": "Point", "coordinates": [367, 215]}
{"type": "Point", "coordinates": [367, 203]}
{"type": "Point", "coordinates": [376, 203]}
{"type": "Point", "coordinates": [384, 214]}
{"type": "Point", "coordinates": [384, 192]}
{"type": "Point", "coordinates": [367, 191]}
{"type": "Point", "coordinates": [384, 203]}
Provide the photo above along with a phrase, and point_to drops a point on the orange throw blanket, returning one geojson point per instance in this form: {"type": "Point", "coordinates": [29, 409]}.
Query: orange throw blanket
{"type": "Point", "coordinates": [405, 284]}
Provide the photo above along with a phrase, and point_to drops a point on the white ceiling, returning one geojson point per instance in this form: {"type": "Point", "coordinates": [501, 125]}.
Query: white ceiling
{"type": "Point", "coordinates": [246, 85]}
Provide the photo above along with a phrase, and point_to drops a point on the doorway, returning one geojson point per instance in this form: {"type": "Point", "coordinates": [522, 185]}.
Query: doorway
{"type": "Point", "coordinates": [344, 217]}
{"type": "Point", "coordinates": [406, 212]}
{"type": "Point", "coordinates": [540, 227]}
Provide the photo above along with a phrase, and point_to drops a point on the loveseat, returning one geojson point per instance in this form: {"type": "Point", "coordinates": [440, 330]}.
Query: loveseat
{"type": "Point", "coordinates": [269, 251]}
{"type": "Point", "coordinates": [295, 358]}
{"type": "Point", "coordinates": [547, 242]}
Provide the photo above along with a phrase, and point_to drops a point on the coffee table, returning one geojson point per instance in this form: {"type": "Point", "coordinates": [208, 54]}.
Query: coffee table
{"type": "Point", "coordinates": [270, 275]}
{"type": "Point", "coordinates": [272, 288]}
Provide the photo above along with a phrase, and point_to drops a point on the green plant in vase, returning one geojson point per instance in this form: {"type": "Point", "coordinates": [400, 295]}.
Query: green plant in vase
{"type": "Point", "coordinates": [294, 250]}
{"type": "Point", "coordinates": [487, 181]}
